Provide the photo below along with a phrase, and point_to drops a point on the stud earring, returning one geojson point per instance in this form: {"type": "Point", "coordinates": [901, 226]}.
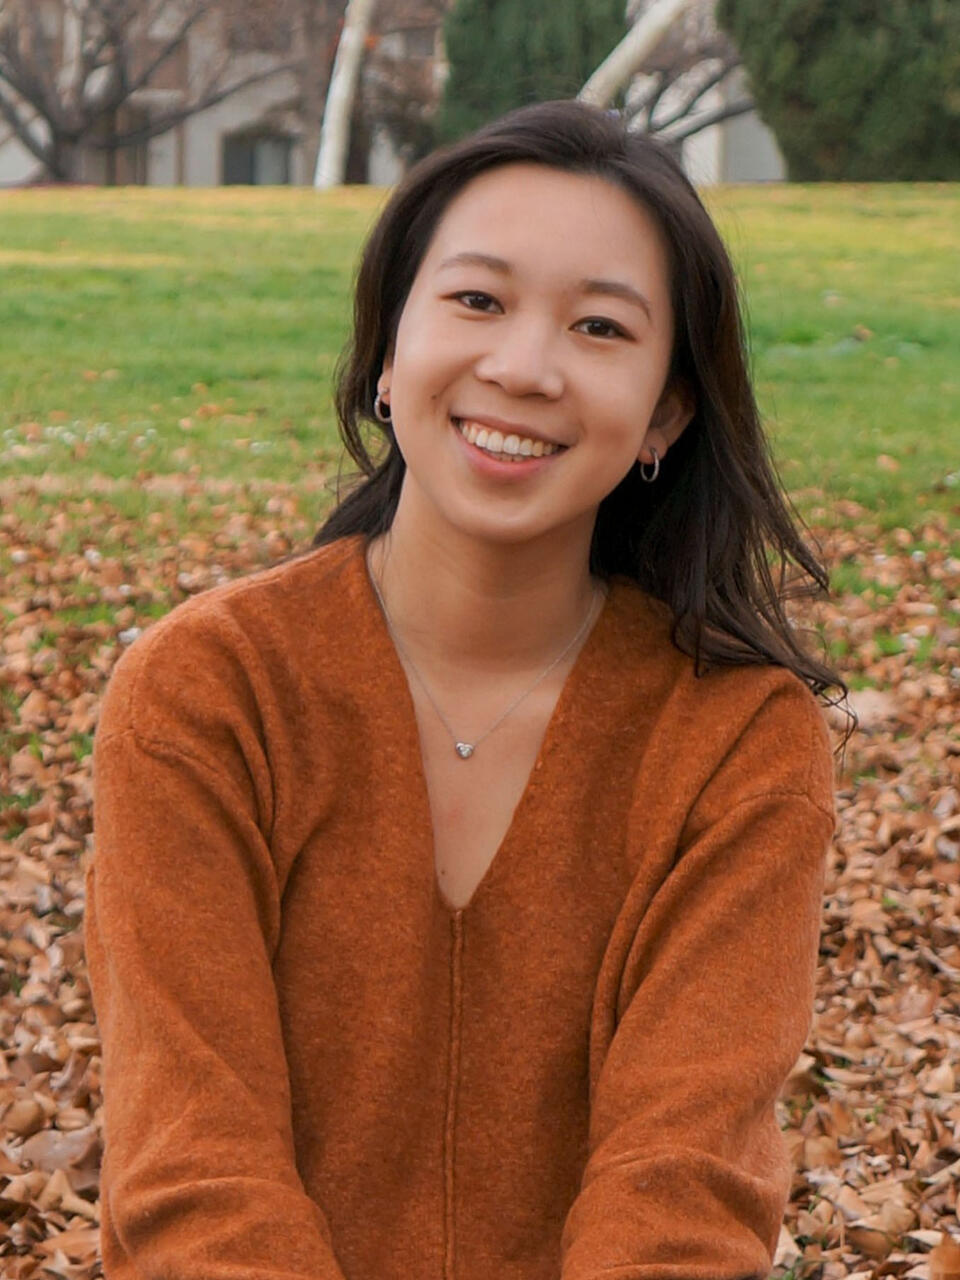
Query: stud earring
{"type": "Point", "coordinates": [381, 408]}
{"type": "Point", "coordinates": [656, 467]}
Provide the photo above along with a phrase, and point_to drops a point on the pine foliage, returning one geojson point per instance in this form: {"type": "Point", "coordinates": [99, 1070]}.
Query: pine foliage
{"type": "Point", "coordinates": [855, 90]}
{"type": "Point", "coordinates": [507, 53]}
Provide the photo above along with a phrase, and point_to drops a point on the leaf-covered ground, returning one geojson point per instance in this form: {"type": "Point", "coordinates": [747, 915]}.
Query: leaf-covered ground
{"type": "Point", "coordinates": [872, 1110]}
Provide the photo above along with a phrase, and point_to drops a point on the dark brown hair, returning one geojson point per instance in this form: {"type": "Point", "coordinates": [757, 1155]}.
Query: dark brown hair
{"type": "Point", "coordinates": [714, 537]}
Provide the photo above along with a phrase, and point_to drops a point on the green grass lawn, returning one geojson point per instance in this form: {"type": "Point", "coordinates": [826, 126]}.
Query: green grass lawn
{"type": "Point", "coordinates": [153, 331]}
{"type": "Point", "coordinates": [853, 302]}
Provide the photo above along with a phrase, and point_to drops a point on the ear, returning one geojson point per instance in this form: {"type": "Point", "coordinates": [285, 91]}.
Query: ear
{"type": "Point", "coordinates": [386, 371]}
{"type": "Point", "coordinates": [674, 410]}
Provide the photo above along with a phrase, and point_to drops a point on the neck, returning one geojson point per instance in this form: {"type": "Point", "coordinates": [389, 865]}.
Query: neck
{"type": "Point", "coordinates": [464, 603]}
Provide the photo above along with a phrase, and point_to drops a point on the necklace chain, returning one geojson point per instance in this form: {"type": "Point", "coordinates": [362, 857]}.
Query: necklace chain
{"type": "Point", "coordinates": [466, 749]}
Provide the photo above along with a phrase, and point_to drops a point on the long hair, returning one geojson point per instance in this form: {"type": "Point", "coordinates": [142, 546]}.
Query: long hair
{"type": "Point", "coordinates": [714, 538]}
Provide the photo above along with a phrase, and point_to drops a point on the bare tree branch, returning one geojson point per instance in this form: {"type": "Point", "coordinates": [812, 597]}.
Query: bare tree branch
{"type": "Point", "coordinates": [627, 58]}
{"type": "Point", "coordinates": [79, 79]}
{"type": "Point", "coordinates": [713, 117]}
{"type": "Point", "coordinates": [172, 45]}
{"type": "Point", "coordinates": [669, 82]}
{"type": "Point", "coordinates": [661, 85]}
{"type": "Point", "coordinates": [698, 93]}
{"type": "Point", "coordinates": [91, 48]}
{"type": "Point", "coordinates": [161, 124]}
{"type": "Point", "coordinates": [21, 129]}
{"type": "Point", "coordinates": [22, 54]}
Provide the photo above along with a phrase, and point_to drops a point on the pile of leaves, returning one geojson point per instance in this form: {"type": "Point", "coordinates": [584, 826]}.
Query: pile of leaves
{"type": "Point", "coordinates": [871, 1113]}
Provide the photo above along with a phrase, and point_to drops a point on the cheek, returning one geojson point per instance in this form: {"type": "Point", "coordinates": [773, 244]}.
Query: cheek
{"type": "Point", "coordinates": [623, 410]}
{"type": "Point", "coordinates": [419, 362]}
{"type": "Point", "coordinates": [628, 396]}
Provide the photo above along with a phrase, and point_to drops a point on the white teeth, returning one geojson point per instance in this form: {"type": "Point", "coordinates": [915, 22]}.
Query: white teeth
{"type": "Point", "coordinates": [511, 446]}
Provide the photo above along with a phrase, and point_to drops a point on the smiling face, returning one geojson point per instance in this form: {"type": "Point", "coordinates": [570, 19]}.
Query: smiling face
{"type": "Point", "coordinates": [529, 367]}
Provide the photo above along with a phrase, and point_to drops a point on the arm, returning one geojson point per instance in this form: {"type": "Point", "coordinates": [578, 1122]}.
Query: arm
{"type": "Point", "coordinates": [687, 1176]}
{"type": "Point", "coordinates": [182, 916]}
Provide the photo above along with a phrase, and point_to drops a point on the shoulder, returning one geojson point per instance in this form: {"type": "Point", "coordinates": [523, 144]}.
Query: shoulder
{"type": "Point", "coordinates": [210, 655]}
{"type": "Point", "coordinates": [730, 733]}
{"type": "Point", "coordinates": [772, 736]}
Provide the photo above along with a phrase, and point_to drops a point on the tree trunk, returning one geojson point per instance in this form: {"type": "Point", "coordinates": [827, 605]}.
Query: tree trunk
{"type": "Point", "coordinates": [310, 142]}
{"type": "Point", "coordinates": [315, 31]}
{"type": "Point", "coordinates": [618, 68]}
{"type": "Point", "coordinates": [335, 133]}
{"type": "Point", "coordinates": [63, 158]}
{"type": "Point", "coordinates": [110, 158]}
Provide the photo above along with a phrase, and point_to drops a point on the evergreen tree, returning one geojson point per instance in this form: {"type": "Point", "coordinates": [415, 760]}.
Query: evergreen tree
{"type": "Point", "coordinates": [855, 90]}
{"type": "Point", "coordinates": [506, 53]}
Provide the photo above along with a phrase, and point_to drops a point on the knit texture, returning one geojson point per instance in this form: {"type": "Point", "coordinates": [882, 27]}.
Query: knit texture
{"type": "Point", "coordinates": [314, 1068]}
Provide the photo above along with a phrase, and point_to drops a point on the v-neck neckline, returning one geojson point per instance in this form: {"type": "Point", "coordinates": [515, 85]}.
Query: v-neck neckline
{"type": "Point", "coordinates": [397, 686]}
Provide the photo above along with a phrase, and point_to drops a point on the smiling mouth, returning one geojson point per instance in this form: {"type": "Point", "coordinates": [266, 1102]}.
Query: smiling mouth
{"type": "Point", "coordinates": [505, 448]}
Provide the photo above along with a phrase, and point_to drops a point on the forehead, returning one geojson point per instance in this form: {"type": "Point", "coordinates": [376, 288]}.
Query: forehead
{"type": "Point", "coordinates": [538, 217]}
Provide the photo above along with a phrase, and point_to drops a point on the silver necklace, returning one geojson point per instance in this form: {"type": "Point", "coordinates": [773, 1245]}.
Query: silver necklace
{"type": "Point", "coordinates": [466, 749]}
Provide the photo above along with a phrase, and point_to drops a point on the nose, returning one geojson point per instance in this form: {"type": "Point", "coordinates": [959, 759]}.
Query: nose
{"type": "Point", "coordinates": [523, 357]}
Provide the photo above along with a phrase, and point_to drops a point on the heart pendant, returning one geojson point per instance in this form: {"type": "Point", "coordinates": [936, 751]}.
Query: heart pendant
{"type": "Point", "coordinates": [464, 750]}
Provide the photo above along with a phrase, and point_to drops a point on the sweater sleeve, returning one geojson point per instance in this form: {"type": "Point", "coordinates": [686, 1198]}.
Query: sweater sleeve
{"type": "Point", "coordinates": [687, 1175]}
{"type": "Point", "coordinates": [199, 1179]}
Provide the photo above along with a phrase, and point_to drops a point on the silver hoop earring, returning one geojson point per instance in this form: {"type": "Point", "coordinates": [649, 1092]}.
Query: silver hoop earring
{"type": "Point", "coordinates": [381, 408]}
{"type": "Point", "coordinates": [656, 467]}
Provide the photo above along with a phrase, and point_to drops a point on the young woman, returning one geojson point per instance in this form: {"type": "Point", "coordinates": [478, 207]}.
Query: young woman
{"type": "Point", "coordinates": [455, 906]}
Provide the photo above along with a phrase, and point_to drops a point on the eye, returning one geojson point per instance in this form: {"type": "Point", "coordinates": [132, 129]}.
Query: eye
{"type": "Point", "coordinates": [611, 330]}
{"type": "Point", "coordinates": [474, 300]}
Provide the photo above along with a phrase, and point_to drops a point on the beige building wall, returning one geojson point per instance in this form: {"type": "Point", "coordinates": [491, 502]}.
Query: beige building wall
{"type": "Point", "coordinates": [749, 152]}
{"type": "Point", "coordinates": [197, 148]}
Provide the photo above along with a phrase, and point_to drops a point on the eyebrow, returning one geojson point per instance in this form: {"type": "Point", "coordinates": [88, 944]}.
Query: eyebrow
{"type": "Point", "coordinates": [611, 288]}
{"type": "Point", "coordinates": [618, 289]}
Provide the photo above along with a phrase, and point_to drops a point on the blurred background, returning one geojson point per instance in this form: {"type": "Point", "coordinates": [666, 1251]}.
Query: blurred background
{"type": "Point", "coordinates": [218, 92]}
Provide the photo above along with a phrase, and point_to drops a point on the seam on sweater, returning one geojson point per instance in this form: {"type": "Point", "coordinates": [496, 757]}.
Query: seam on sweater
{"type": "Point", "coordinates": [210, 604]}
{"type": "Point", "coordinates": [216, 607]}
{"type": "Point", "coordinates": [778, 680]}
{"type": "Point", "coordinates": [453, 1082]}
{"type": "Point", "coordinates": [818, 728]}
{"type": "Point", "coordinates": [786, 793]}
{"type": "Point", "coordinates": [811, 749]}
{"type": "Point", "coordinates": [159, 747]}
{"type": "Point", "coordinates": [629, 1271]}
{"type": "Point", "coordinates": [245, 649]}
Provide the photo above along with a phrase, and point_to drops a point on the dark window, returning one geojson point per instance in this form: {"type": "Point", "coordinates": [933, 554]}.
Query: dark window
{"type": "Point", "coordinates": [256, 159]}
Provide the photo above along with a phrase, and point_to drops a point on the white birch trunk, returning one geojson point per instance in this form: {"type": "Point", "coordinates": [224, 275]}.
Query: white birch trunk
{"type": "Point", "coordinates": [338, 111]}
{"type": "Point", "coordinates": [618, 68]}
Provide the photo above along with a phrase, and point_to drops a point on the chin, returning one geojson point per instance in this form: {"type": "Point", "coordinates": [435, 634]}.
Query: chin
{"type": "Point", "coordinates": [520, 529]}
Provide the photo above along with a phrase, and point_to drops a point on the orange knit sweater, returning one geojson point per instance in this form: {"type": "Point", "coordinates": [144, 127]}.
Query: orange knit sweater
{"type": "Point", "coordinates": [315, 1069]}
